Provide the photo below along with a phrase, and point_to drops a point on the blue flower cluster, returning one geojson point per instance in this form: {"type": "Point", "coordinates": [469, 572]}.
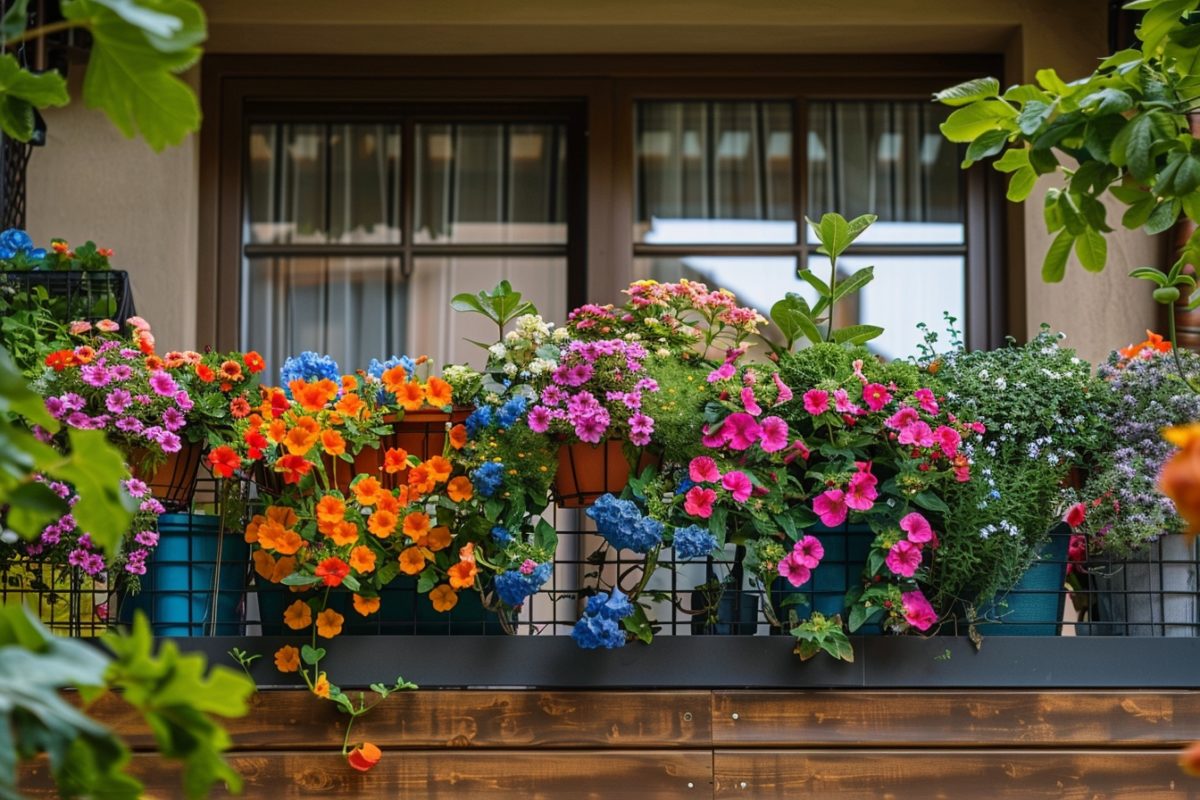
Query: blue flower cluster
{"type": "Point", "coordinates": [504, 416]}
{"type": "Point", "coordinates": [513, 587]}
{"type": "Point", "coordinates": [308, 366]}
{"type": "Point", "coordinates": [501, 535]}
{"type": "Point", "coordinates": [600, 625]}
{"type": "Point", "coordinates": [624, 526]}
{"type": "Point", "coordinates": [376, 369]}
{"type": "Point", "coordinates": [480, 418]}
{"type": "Point", "coordinates": [488, 478]}
{"type": "Point", "coordinates": [15, 240]}
{"type": "Point", "coordinates": [693, 542]}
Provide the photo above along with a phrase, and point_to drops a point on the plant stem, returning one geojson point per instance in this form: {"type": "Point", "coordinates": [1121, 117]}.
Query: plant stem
{"type": "Point", "coordinates": [46, 30]}
{"type": "Point", "coordinates": [832, 283]}
{"type": "Point", "coordinates": [1175, 348]}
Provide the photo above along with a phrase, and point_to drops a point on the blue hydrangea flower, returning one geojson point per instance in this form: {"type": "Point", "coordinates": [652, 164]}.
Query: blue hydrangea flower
{"type": "Point", "coordinates": [622, 524]}
{"type": "Point", "coordinates": [600, 624]}
{"type": "Point", "coordinates": [693, 542]}
{"type": "Point", "coordinates": [376, 369]}
{"type": "Point", "coordinates": [501, 535]}
{"type": "Point", "coordinates": [513, 587]}
{"type": "Point", "coordinates": [308, 366]}
{"type": "Point", "coordinates": [511, 412]}
{"type": "Point", "coordinates": [15, 240]}
{"type": "Point", "coordinates": [684, 485]}
{"type": "Point", "coordinates": [488, 478]}
{"type": "Point", "coordinates": [480, 418]}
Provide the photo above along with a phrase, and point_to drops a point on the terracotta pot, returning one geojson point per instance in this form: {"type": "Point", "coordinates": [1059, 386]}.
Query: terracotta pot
{"type": "Point", "coordinates": [419, 433]}
{"type": "Point", "coordinates": [271, 482]}
{"type": "Point", "coordinates": [587, 471]}
{"type": "Point", "coordinates": [173, 482]}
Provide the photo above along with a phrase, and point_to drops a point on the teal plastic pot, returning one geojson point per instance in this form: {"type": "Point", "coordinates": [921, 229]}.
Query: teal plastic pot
{"type": "Point", "coordinates": [1034, 606]}
{"type": "Point", "coordinates": [181, 574]}
{"type": "Point", "coordinates": [846, 550]}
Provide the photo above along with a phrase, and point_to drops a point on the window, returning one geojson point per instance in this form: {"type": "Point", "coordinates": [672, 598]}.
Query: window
{"type": "Point", "coordinates": [718, 199]}
{"type": "Point", "coordinates": [357, 234]}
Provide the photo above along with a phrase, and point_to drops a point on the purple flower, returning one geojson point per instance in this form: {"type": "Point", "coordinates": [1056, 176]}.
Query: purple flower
{"type": "Point", "coordinates": [55, 406]}
{"type": "Point", "coordinates": [135, 487]}
{"type": "Point", "coordinates": [170, 442]}
{"type": "Point", "coordinates": [142, 399]}
{"type": "Point", "coordinates": [173, 419]}
{"type": "Point", "coordinates": [591, 428]}
{"type": "Point", "coordinates": [183, 401]}
{"type": "Point", "coordinates": [60, 489]}
{"type": "Point", "coordinates": [641, 427]}
{"type": "Point", "coordinates": [579, 375]}
{"type": "Point", "coordinates": [118, 401]}
{"type": "Point", "coordinates": [73, 402]}
{"type": "Point", "coordinates": [93, 564]}
{"type": "Point", "coordinates": [552, 396]}
{"type": "Point", "coordinates": [146, 539]}
{"type": "Point", "coordinates": [95, 375]}
{"type": "Point", "coordinates": [135, 567]}
{"type": "Point", "coordinates": [538, 419]}
{"type": "Point", "coordinates": [120, 372]}
{"type": "Point", "coordinates": [163, 384]}
{"type": "Point", "coordinates": [78, 419]}
{"type": "Point", "coordinates": [151, 506]}
{"type": "Point", "coordinates": [129, 352]}
{"type": "Point", "coordinates": [154, 433]}
{"type": "Point", "coordinates": [129, 425]}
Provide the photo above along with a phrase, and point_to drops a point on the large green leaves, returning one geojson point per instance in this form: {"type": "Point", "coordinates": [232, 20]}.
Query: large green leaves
{"type": "Point", "coordinates": [501, 305]}
{"type": "Point", "coordinates": [22, 91]}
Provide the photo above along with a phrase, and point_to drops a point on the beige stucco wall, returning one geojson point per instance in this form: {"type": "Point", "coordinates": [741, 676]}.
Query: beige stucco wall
{"type": "Point", "coordinates": [90, 182]}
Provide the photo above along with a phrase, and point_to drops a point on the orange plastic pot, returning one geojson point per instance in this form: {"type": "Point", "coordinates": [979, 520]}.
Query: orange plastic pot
{"type": "Point", "coordinates": [587, 471]}
{"type": "Point", "coordinates": [173, 482]}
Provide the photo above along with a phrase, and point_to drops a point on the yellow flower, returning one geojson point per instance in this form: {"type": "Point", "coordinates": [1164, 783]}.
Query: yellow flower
{"type": "Point", "coordinates": [321, 687]}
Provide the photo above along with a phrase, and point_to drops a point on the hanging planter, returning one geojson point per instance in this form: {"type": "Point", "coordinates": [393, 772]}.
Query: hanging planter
{"type": "Point", "coordinates": [173, 481]}
{"type": "Point", "coordinates": [587, 471]}
{"type": "Point", "coordinates": [418, 433]}
{"type": "Point", "coordinates": [1034, 605]}
{"type": "Point", "coordinates": [1152, 593]}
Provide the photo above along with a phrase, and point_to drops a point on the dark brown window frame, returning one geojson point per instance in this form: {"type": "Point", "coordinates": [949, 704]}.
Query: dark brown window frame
{"type": "Point", "coordinates": [237, 89]}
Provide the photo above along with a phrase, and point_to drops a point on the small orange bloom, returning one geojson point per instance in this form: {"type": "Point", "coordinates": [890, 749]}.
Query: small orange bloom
{"type": "Point", "coordinates": [342, 533]}
{"type": "Point", "coordinates": [329, 623]}
{"type": "Point", "coordinates": [438, 392]}
{"type": "Point", "coordinates": [298, 615]}
{"type": "Point", "coordinates": [416, 525]}
{"type": "Point", "coordinates": [330, 509]}
{"type": "Point", "coordinates": [349, 383]}
{"type": "Point", "coordinates": [439, 468]}
{"type": "Point", "coordinates": [293, 468]}
{"type": "Point", "coordinates": [224, 460]}
{"type": "Point", "coordinates": [460, 489]}
{"type": "Point", "coordinates": [313, 396]}
{"type": "Point", "coordinates": [443, 598]}
{"type": "Point", "coordinates": [412, 561]}
{"type": "Point", "coordinates": [205, 373]}
{"type": "Point", "coordinates": [275, 403]}
{"type": "Point", "coordinates": [301, 438]}
{"type": "Point", "coordinates": [462, 575]}
{"type": "Point", "coordinates": [277, 430]}
{"type": "Point", "coordinates": [438, 538]}
{"type": "Point", "coordinates": [410, 396]}
{"type": "Point", "coordinates": [363, 757]}
{"type": "Point", "coordinates": [84, 354]}
{"type": "Point", "coordinates": [362, 560]}
{"type": "Point", "coordinates": [395, 459]}
{"type": "Point", "coordinates": [458, 436]}
{"type": "Point", "coordinates": [231, 370]}
{"type": "Point", "coordinates": [351, 405]}
{"type": "Point", "coordinates": [394, 379]}
{"type": "Point", "coordinates": [154, 363]}
{"type": "Point", "coordinates": [264, 563]}
{"type": "Point", "coordinates": [365, 606]}
{"type": "Point", "coordinates": [333, 443]}
{"type": "Point", "coordinates": [321, 687]}
{"type": "Point", "coordinates": [273, 536]}
{"type": "Point", "coordinates": [420, 479]}
{"type": "Point", "coordinates": [382, 523]}
{"type": "Point", "coordinates": [287, 659]}
{"type": "Point", "coordinates": [367, 491]}
{"type": "Point", "coordinates": [254, 362]}
{"type": "Point", "coordinates": [389, 502]}
{"type": "Point", "coordinates": [239, 408]}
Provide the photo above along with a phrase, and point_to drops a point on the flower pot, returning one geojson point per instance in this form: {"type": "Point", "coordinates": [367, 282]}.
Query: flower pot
{"type": "Point", "coordinates": [1153, 593]}
{"type": "Point", "coordinates": [1034, 605]}
{"type": "Point", "coordinates": [419, 433]}
{"type": "Point", "coordinates": [736, 613]}
{"type": "Point", "coordinates": [587, 471]}
{"type": "Point", "coordinates": [271, 482]}
{"type": "Point", "coordinates": [192, 561]}
{"type": "Point", "coordinates": [173, 482]}
{"type": "Point", "coordinates": [841, 568]}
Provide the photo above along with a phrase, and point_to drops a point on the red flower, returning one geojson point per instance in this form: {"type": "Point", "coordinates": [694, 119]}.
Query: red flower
{"type": "Point", "coordinates": [279, 404]}
{"type": "Point", "coordinates": [205, 373]}
{"type": "Point", "coordinates": [224, 460]}
{"type": "Point", "coordinates": [256, 443]}
{"type": "Point", "coordinates": [332, 570]}
{"type": "Point", "coordinates": [239, 408]}
{"type": "Point", "coordinates": [293, 468]}
{"type": "Point", "coordinates": [254, 362]}
{"type": "Point", "coordinates": [363, 757]}
{"type": "Point", "coordinates": [1075, 515]}
{"type": "Point", "coordinates": [61, 359]}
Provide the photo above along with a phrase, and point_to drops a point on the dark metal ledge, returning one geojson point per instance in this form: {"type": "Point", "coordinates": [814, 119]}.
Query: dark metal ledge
{"type": "Point", "coordinates": [731, 662]}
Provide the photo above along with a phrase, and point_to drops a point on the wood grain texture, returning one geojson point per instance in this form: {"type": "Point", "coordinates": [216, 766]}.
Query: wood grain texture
{"type": "Point", "coordinates": [977, 718]}
{"type": "Point", "coordinates": [576, 775]}
{"type": "Point", "coordinates": [295, 720]}
{"type": "Point", "coordinates": [952, 775]}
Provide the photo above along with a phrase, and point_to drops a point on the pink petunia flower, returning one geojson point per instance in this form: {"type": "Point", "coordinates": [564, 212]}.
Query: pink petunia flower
{"type": "Point", "coordinates": [721, 373]}
{"type": "Point", "coordinates": [831, 507]}
{"type": "Point", "coordinates": [711, 438]}
{"type": "Point", "coordinates": [163, 384]}
{"type": "Point", "coordinates": [861, 492]}
{"type": "Point", "coordinates": [902, 419]}
{"type": "Point", "coordinates": [703, 469]}
{"type": "Point", "coordinates": [949, 439]}
{"type": "Point", "coordinates": [749, 402]}
{"type": "Point", "coordinates": [809, 551]}
{"type": "Point", "coordinates": [904, 558]}
{"type": "Point", "coordinates": [917, 528]}
{"type": "Point", "coordinates": [699, 501]}
{"type": "Point", "coordinates": [816, 401]}
{"type": "Point", "coordinates": [798, 449]}
{"type": "Point", "coordinates": [843, 404]}
{"type": "Point", "coordinates": [792, 568]}
{"type": "Point", "coordinates": [918, 434]}
{"type": "Point", "coordinates": [917, 611]}
{"type": "Point", "coordinates": [785, 392]}
{"type": "Point", "coordinates": [876, 396]}
{"type": "Point", "coordinates": [927, 400]}
{"type": "Point", "coordinates": [738, 485]}
{"type": "Point", "coordinates": [741, 431]}
{"type": "Point", "coordinates": [538, 419]}
{"type": "Point", "coordinates": [774, 435]}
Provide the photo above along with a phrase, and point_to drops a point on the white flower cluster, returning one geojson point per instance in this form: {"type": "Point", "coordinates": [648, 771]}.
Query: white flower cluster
{"type": "Point", "coordinates": [1004, 526]}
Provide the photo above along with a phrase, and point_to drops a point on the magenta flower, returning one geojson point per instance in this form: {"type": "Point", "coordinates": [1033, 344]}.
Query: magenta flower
{"type": "Point", "coordinates": [861, 492]}
{"type": "Point", "coordinates": [641, 426]}
{"type": "Point", "coordinates": [917, 528]}
{"type": "Point", "coordinates": [902, 419]}
{"type": "Point", "coordinates": [120, 372]}
{"type": "Point", "coordinates": [592, 427]}
{"type": "Point", "coordinates": [552, 396]}
{"type": "Point", "coordinates": [146, 538]}
{"type": "Point", "coordinates": [792, 568]}
{"type": "Point", "coordinates": [904, 558]}
{"type": "Point", "coordinates": [721, 373]}
{"type": "Point", "coordinates": [785, 392]}
{"type": "Point", "coordinates": [173, 419]}
{"type": "Point", "coordinates": [579, 374]}
{"type": "Point", "coordinates": [55, 406]}
{"type": "Point", "coordinates": [699, 501]}
{"type": "Point", "coordinates": [184, 402]}
{"type": "Point", "coordinates": [135, 487]}
{"type": "Point", "coordinates": [742, 431]}
{"type": "Point", "coordinates": [831, 507]}
{"type": "Point", "coordinates": [876, 396]}
{"type": "Point", "coordinates": [798, 449]}
{"type": "Point", "coordinates": [774, 435]}
{"type": "Point", "coordinates": [918, 433]}
{"type": "Point", "coordinates": [738, 485]}
{"type": "Point", "coordinates": [170, 442]}
{"type": "Point", "coordinates": [703, 469]}
{"type": "Point", "coordinates": [95, 375]}
{"type": "Point", "coordinates": [749, 402]}
{"type": "Point", "coordinates": [118, 400]}
{"type": "Point", "coordinates": [129, 425]}
{"type": "Point", "coordinates": [711, 438]}
{"type": "Point", "coordinates": [917, 610]}
{"type": "Point", "coordinates": [843, 404]}
{"type": "Point", "coordinates": [538, 419]}
{"type": "Point", "coordinates": [163, 384]}
{"type": "Point", "coordinates": [809, 551]}
{"type": "Point", "coordinates": [816, 401]}
{"type": "Point", "coordinates": [927, 400]}
{"type": "Point", "coordinates": [949, 440]}
{"type": "Point", "coordinates": [78, 419]}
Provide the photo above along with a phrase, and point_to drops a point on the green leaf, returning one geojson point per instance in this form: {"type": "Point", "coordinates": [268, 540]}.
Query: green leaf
{"type": "Point", "coordinates": [1163, 217]}
{"type": "Point", "coordinates": [170, 26]}
{"type": "Point", "coordinates": [1138, 213]}
{"type": "Point", "coordinates": [853, 283]}
{"type": "Point", "coordinates": [1032, 116]}
{"type": "Point", "coordinates": [1021, 184]}
{"type": "Point", "coordinates": [988, 144]}
{"type": "Point", "coordinates": [811, 278]}
{"type": "Point", "coordinates": [427, 580]}
{"type": "Point", "coordinates": [312, 655]}
{"type": "Point", "coordinates": [1107, 101]}
{"type": "Point", "coordinates": [857, 334]}
{"type": "Point", "coordinates": [299, 579]}
{"type": "Point", "coordinates": [1092, 250]}
{"type": "Point", "coordinates": [930, 502]}
{"type": "Point", "coordinates": [1048, 79]}
{"type": "Point", "coordinates": [1051, 213]}
{"type": "Point", "coordinates": [969, 122]}
{"type": "Point", "coordinates": [545, 537]}
{"type": "Point", "coordinates": [1144, 132]}
{"type": "Point", "coordinates": [15, 19]}
{"type": "Point", "coordinates": [1153, 274]}
{"type": "Point", "coordinates": [638, 624]}
{"type": "Point", "coordinates": [1099, 134]}
{"type": "Point", "coordinates": [970, 91]}
{"type": "Point", "coordinates": [1013, 159]}
{"type": "Point", "coordinates": [1180, 176]}
{"type": "Point", "coordinates": [21, 91]}
{"type": "Point", "coordinates": [1055, 265]}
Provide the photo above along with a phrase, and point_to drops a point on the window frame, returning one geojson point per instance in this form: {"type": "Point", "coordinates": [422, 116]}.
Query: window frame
{"type": "Point", "coordinates": [234, 88]}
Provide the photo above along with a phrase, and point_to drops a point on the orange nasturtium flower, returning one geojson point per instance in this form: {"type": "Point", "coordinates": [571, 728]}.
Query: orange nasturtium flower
{"type": "Point", "coordinates": [420, 479]}
{"type": "Point", "coordinates": [382, 523]}
{"type": "Point", "coordinates": [363, 757]}
{"type": "Point", "coordinates": [1154, 341]}
{"type": "Point", "coordinates": [460, 489]}
{"type": "Point", "coordinates": [271, 568]}
{"type": "Point", "coordinates": [333, 443]}
{"type": "Point", "coordinates": [439, 468]}
{"type": "Point", "coordinates": [331, 508]}
{"type": "Point", "coordinates": [416, 525]}
{"type": "Point", "coordinates": [342, 533]}
{"type": "Point", "coordinates": [438, 539]}
{"type": "Point", "coordinates": [287, 659]}
{"type": "Point", "coordinates": [277, 429]}
{"type": "Point", "coordinates": [329, 623]}
{"type": "Point", "coordinates": [362, 559]}
{"type": "Point", "coordinates": [394, 378]}
{"type": "Point", "coordinates": [321, 687]}
{"type": "Point", "coordinates": [462, 575]}
{"type": "Point", "coordinates": [224, 460]}
{"type": "Point", "coordinates": [301, 438]}
{"type": "Point", "coordinates": [365, 606]}
{"type": "Point", "coordinates": [1180, 476]}
{"type": "Point", "coordinates": [293, 468]}
{"type": "Point", "coordinates": [351, 405]}
{"type": "Point", "coordinates": [458, 436]}
{"type": "Point", "coordinates": [395, 459]}
{"type": "Point", "coordinates": [273, 536]}
{"type": "Point", "coordinates": [298, 616]}
{"type": "Point", "coordinates": [412, 561]}
{"type": "Point", "coordinates": [367, 491]}
{"type": "Point", "coordinates": [313, 396]}
{"type": "Point", "coordinates": [411, 395]}
{"type": "Point", "coordinates": [332, 571]}
{"type": "Point", "coordinates": [438, 392]}
{"type": "Point", "coordinates": [443, 597]}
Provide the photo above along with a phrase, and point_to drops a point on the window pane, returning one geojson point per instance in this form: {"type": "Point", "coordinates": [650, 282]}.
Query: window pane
{"type": "Point", "coordinates": [906, 290]}
{"type": "Point", "coordinates": [432, 328]}
{"type": "Point", "coordinates": [713, 173]}
{"type": "Point", "coordinates": [491, 183]}
{"type": "Point", "coordinates": [756, 281]}
{"type": "Point", "coordinates": [336, 184]}
{"type": "Point", "coordinates": [350, 308]}
{"type": "Point", "coordinates": [888, 159]}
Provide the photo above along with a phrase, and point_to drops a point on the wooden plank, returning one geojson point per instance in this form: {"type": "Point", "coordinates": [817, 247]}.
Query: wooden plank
{"type": "Point", "coordinates": [519, 775]}
{"type": "Point", "coordinates": [952, 775]}
{"type": "Point", "coordinates": [295, 720]}
{"type": "Point", "coordinates": [978, 718]}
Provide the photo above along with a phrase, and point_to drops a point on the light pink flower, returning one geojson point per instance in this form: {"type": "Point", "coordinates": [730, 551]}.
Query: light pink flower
{"type": "Point", "coordinates": [809, 551]}
{"type": "Point", "coordinates": [917, 611]}
{"type": "Point", "coordinates": [774, 435]}
{"type": "Point", "coordinates": [703, 469]}
{"type": "Point", "coordinates": [138, 323]}
{"type": "Point", "coordinates": [749, 402]}
{"type": "Point", "coordinates": [699, 501]}
{"type": "Point", "coordinates": [858, 371]}
{"type": "Point", "coordinates": [792, 568]}
{"type": "Point", "coordinates": [904, 558]}
{"type": "Point", "coordinates": [917, 528]}
{"type": "Point", "coordinates": [861, 493]}
{"type": "Point", "coordinates": [902, 419]}
{"type": "Point", "coordinates": [843, 404]}
{"type": "Point", "coordinates": [876, 396]}
{"type": "Point", "coordinates": [927, 400]}
{"type": "Point", "coordinates": [721, 373]}
{"type": "Point", "coordinates": [785, 392]}
{"type": "Point", "coordinates": [738, 485]}
{"type": "Point", "coordinates": [78, 327]}
{"type": "Point", "coordinates": [830, 506]}
{"type": "Point", "coordinates": [108, 326]}
{"type": "Point", "coordinates": [816, 401]}
{"type": "Point", "coordinates": [949, 440]}
{"type": "Point", "coordinates": [741, 431]}
{"type": "Point", "coordinates": [918, 434]}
